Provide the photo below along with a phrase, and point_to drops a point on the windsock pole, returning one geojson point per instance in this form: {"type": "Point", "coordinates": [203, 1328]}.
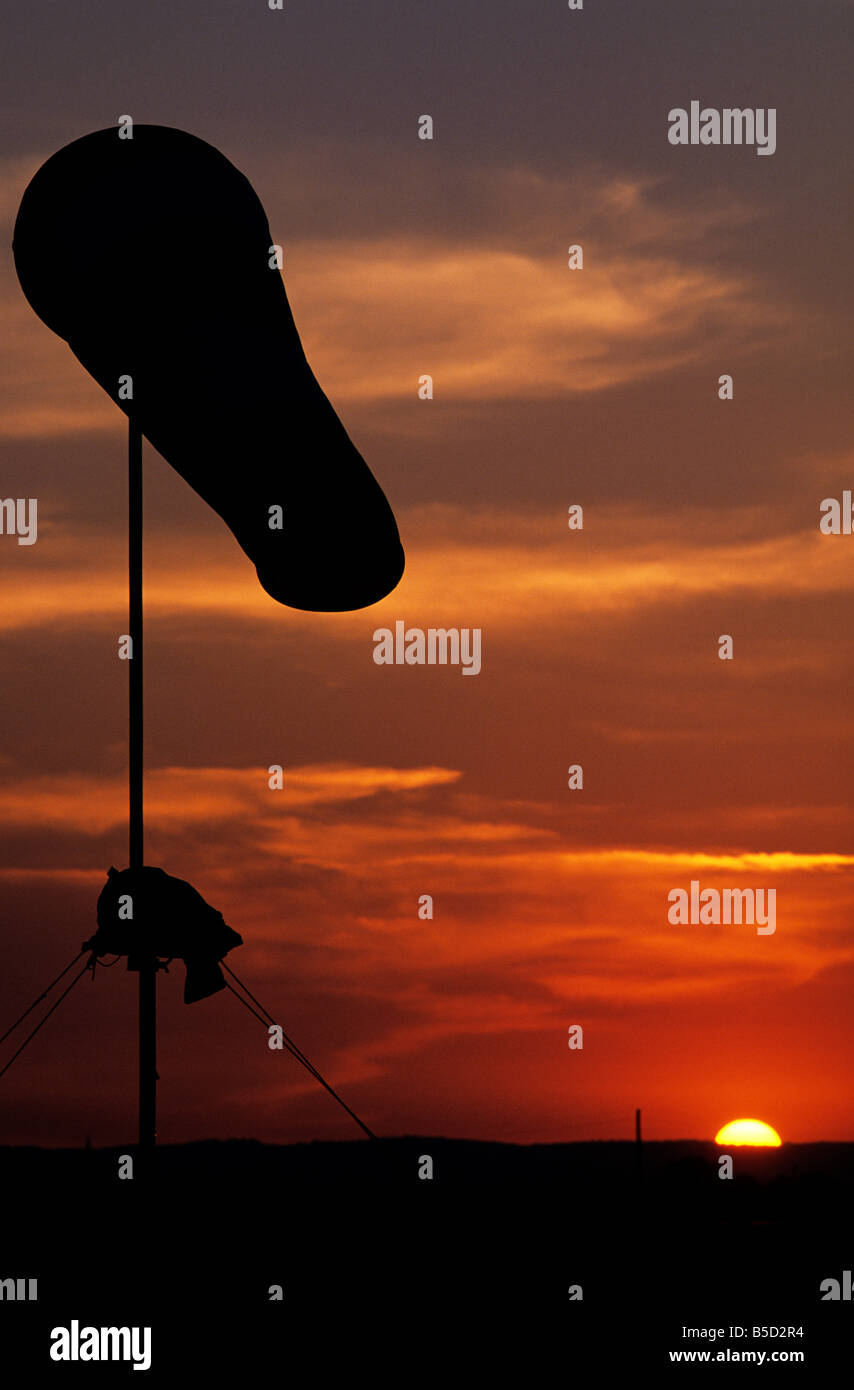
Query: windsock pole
{"type": "Point", "coordinates": [147, 961]}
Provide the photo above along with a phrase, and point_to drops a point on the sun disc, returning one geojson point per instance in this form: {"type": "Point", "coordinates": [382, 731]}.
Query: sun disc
{"type": "Point", "coordinates": [748, 1132]}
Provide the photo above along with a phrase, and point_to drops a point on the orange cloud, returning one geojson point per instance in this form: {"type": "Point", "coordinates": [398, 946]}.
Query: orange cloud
{"type": "Point", "coordinates": [497, 323]}
{"type": "Point", "coordinates": [465, 567]}
{"type": "Point", "coordinates": [492, 320]}
{"type": "Point", "coordinates": [186, 795]}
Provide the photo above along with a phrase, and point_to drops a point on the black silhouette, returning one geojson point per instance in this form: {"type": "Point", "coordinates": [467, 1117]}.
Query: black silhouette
{"type": "Point", "coordinates": [151, 257]}
{"type": "Point", "coordinates": [170, 919]}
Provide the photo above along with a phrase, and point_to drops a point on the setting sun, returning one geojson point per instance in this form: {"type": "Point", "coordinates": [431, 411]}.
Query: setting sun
{"type": "Point", "coordinates": [748, 1132]}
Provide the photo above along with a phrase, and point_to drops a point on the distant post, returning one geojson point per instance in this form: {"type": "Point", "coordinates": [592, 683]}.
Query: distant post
{"type": "Point", "coordinates": [638, 1146]}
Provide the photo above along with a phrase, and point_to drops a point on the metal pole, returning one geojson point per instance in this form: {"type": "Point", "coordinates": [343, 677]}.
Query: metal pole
{"type": "Point", "coordinates": [148, 964]}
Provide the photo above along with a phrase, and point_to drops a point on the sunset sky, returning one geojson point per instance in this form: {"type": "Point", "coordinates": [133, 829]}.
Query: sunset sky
{"type": "Point", "coordinates": [553, 387]}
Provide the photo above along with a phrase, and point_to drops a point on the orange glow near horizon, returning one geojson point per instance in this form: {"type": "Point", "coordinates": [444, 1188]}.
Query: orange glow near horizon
{"type": "Point", "coordinates": [753, 1132]}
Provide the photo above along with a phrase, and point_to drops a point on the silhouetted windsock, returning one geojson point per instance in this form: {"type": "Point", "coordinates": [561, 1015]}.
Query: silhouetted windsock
{"type": "Point", "coordinates": [172, 918]}
{"type": "Point", "coordinates": [151, 256]}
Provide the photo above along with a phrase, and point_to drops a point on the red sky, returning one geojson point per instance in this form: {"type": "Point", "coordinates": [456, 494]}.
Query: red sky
{"type": "Point", "coordinates": [600, 648]}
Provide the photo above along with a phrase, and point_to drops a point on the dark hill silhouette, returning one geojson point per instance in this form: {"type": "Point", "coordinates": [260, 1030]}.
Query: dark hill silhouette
{"type": "Point", "coordinates": [474, 1265]}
